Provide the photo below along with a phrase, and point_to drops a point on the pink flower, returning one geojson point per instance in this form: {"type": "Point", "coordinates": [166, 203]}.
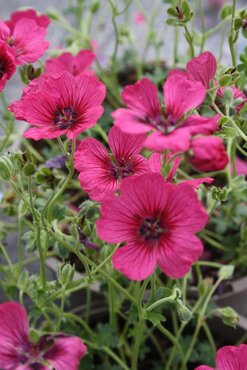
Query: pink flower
{"type": "Point", "coordinates": [60, 104]}
{"type": "Point", "coordinates": [157, 221]}
{"type": "Point", "coordinates": [100, 172]}
{"type": "Point", "coordinates": [68, 62]}
{"type": "Point", "coordinates": [169, 129]}
{"type": "Point", "coordinates": [156, 162]}
{"type": "Point", "coordinates": [202, 68]}
{"type": "Point", "coordinates": [41, 20]}
{"type": "Point", "coordinates": [7, 65]}
{"type": "Point", "coordinates": [229, 358]}
{"type": "Point", "coordinates": [237, 94]}
{"type": "Point", "coordinates": [241, 167]}
{"type": "Point", "coordinates": [139, 18]}
{"type": "Point", "coordinates": [25, 38]}
{"type": "Point", "coordinates": [17, 352]}
{"type": "Point", "coordinates": [208, 154]}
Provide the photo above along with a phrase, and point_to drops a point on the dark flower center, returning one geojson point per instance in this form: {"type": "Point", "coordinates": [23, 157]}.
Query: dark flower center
{"type": "Point", "coordinates": [65, 118]}
{"type": "Point", "coordinates": [11, 41]}
{"type": "Point", "coordinates": [122, 168]}
{"type": "Point", "coordinates": [151, 228]}
{"type": "Point", "coordinates": [2, 70]}
{"type": "Point", "coordinates": [160, 123]}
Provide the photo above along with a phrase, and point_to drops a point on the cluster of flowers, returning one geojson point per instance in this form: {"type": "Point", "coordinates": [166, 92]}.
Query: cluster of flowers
{"type": "Point", "coordinates": [155, 217]}
{"type": "Point", "coordinates": [19, 353]}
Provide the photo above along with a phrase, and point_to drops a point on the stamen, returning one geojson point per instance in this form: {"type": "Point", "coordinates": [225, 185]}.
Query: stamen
{"type": "Point", "coordinates": [65, 118]}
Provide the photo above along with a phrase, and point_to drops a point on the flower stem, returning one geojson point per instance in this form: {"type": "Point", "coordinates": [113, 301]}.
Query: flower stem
{"type": "Point", "coordinates": [189, 39]}
{"type": "Point", "coordinates": [137, 343]}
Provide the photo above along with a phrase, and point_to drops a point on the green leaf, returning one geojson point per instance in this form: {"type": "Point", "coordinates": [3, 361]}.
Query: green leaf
{"type": "Point", "coordinates": [155, 317]}
{"type": "Point", "coordinates": [225, 80]}
{"type": "Point", "coordinates": [227, 132]}
{"type": "Point", "coordinates": [238, 24]}
{"type": "Point", "coordinates": [105, 336]}
{"type": "Point", "coordinates": [186, 9]}
{"type": "Point", "coordinates": [172, 22]}
{"type": "Point", "coordinates": [173, 12]}
{"type": "Point", "coordinates": [225, 11]}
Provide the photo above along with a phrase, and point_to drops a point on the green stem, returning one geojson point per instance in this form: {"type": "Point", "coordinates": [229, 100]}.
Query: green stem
{"type": "Point", "coordinates": [210, 338]}
{"type": "Point", "coordinates": [175, 343]}
{"type": "Point", "coordinates": [231, 38]}
{"type": "Point", "coordinates": [201, 320]}
{"type": "Point", "coordinates": [137, 343]}
{"type": "Point", "coordinates": [175, 47]}
{"type": "Point", "coordinates": [60, 315]}
{"type": "Point", "coordinates": [161, 301]}
{"type": "Point", "coordinates": [38, 235]}
{"type": "Point", "coordinates": [6, 256]}
{"type": "Point", "coordinates": [189, 39]}
{"type": "Point", "coordinates": [202, 25]}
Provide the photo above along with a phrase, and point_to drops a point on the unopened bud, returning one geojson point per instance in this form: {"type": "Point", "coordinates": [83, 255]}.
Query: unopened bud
{"type": "Point", "coordinates": [229, 316]}
{"type": "Point", "coordinates": [66, 273]}
{"type": "Point", "coordinates": [29, 169]}
{"type": "Point", "coordinates": [226, 272]}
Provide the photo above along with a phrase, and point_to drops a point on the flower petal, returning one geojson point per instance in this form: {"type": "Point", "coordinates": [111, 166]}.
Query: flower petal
{"type": "Point", "coordinates": [177, 141]}
{"type": "Point", "coordinates": [125, 145]}
{"type": "Point", "coordinates": [66, 353]}
{"type": "Point", "coordinates": [181, 95]}
{"type": "Point", "coordinates": [135, 260]}
{"type": "Point", "coordinates": [14, 331]}
{"type": "Point", "coordinates": [178, 251]}
{"type": "Point", "coordinates": [201, 125]}
{"type": "Point", "coordinates": [232, 357]}
{"type": "Point", "coordinates": [94, 164]}
{"type": "Point", "coordinates": [202, 68]}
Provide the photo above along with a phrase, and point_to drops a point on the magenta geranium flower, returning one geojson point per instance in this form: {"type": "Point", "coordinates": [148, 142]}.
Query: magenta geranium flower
{"type": "Point", "coordinates": [60, 104]}
{"type": "Point", "coordinates": [7, 65]}
{"type": "Point", "coordinates": [56, 351]}
{"type": "Point", "coordinates": [100, 172]}
{"type": "Point", "coordinates": [202, 68]}
{"type": "Point", "coordinates": [25, 38]}
{"type": "Point", "coordinates": [156, 163]}
{"type": "Point", "coordinates": [158, 222]}
{"type": "Point", "coordinates": [75, 64]}
{"type": "Point", "coordinates": [229, 358]}
{"type": "Point", "coordinates": [169, 129]}
{"type": "Point", "coordinates": [41, 20]}
{"type": "Point", "coordinates": [208, 153]}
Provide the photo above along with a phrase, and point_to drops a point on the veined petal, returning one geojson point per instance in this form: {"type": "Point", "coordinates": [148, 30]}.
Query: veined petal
{"type": "Point", "coordinates": [125, 145]}
{"type": "Point", "coordinates": [177, 252]}
{"type": "Point", "coordinates": [136, 260]}
{"type": "Point", "coordinates": [14, 331]}
{"type": "Point", "coordinates": [66, 353]}
{"type": "Point", "coordinates": [202, 68]}
{"type": "Point", "coordinates": [181, 95]}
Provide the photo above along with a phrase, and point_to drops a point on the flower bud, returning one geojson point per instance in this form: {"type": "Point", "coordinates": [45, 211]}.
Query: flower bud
{"type": "Point", "coordinates": [95, 6]}
{"type": "Point", "coordinates": [89, 209]}
{"type": "Point", "coordinates": [219, 194]}
{"type": "Point", "coordinates": [229, 316]}
{"type": "Point", "coordinates": [228, 96]}
{"type": "Point", "coordinates": [208, 154]}
{"type": "Point", "coordinates": [226, 272]}
{"type": "Point", "coordinates": [6, 170]}
{"type": "Point", "coordinates": [23, 280]}
{"type": "Point", "coordinates": [183, 312]}
{"type": "Point", "coordinates": [65, 273]}
{"type": "Point", "coordinates": [29, 169]}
